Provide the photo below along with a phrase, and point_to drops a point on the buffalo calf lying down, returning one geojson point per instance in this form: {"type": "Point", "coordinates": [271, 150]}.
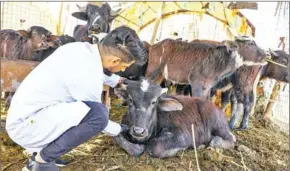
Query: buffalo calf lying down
{"type": "Point", "coordinates": [161, 124]}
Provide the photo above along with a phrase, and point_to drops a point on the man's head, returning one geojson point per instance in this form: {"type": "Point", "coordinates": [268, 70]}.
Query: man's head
{"type": "Point", "coordinates": [119, 49]}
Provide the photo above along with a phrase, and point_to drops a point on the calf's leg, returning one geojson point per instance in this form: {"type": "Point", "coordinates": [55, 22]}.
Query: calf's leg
{"type": "Point", "coordinates": [122, 140]}
{"type": "Point", "coordinates": [248, 105]}
{"type": "Point", "coordinates": [237, 108]}
{"type": "Point", "coordinates": [187, 90]}
{"type": "Point", "coordinates": [167, 145]}
{"type": "Point", "coordinates": [131, 148]}
{"type": "Point", "coordinates": [225, 99]}
{"type": "Point", "coordinates": [222, 136]}
{"type": "Point", "coordinates": [8, 100]}
{"type": "Point", "coordinates": [196, 90]}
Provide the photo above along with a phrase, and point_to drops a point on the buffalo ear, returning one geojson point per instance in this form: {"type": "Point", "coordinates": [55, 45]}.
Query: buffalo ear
{"type": "Point", "coordinates": [24, 35]}
{"type": "Point", "coordinates": [273, 53]}
{"type": "Point", "coordinates": [230, 45]}
{"type": "Point", "coordinates": [52, 38]}
{"type": "Point", "coordinates": [80, 15]}
{"type": "Point", "coordinates": [169, 104]}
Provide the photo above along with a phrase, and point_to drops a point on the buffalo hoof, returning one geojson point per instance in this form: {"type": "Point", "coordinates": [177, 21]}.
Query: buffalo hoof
{"type": "Point", "coordinates": [216, 142]}
{"type": "Point", "coordinates": [242, 128]}
{"type": "Point", "coordinates": [232, 127]}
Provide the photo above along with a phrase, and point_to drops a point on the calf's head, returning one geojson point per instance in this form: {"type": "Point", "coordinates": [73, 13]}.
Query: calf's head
{"type": "Point", "coordinates": [251, 52]}
{"type": "Point", "coordinates": [98, 18]}
{"type": "Point", "coordinates": [278, 72]}
{"type": "Point", "coordinates": [37, 36]}
{"type": "Point", "coordinates": [144, 100]}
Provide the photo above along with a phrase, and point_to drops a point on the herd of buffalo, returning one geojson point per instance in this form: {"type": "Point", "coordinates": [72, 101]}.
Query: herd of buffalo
{"type": "Point", "coordinates": [160, 122]}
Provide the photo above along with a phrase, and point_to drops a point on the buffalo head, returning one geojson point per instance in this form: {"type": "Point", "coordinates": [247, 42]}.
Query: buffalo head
{"type": "Point", "coordinates": [145, 100]}
{"type": "Point", "coordinates": [98, 18]}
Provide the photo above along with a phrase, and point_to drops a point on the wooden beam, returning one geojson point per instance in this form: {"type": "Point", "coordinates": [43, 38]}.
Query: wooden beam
{"type": "Point", "coordinates": [243, 5]}
{"type": "Point", "coordinates": [177, 5]}
{"type": "Point", "coordinates": [58, 27]}
{"type": "Point", "coordinates": [129, 21]}
{"type": "Point", "coordinates": [183, 11]}
{"type": "Point", "coordinates": [157, 22]}
{"type": "Point", "coordinates": [2, 13]}
{"type": "Point", "coordinates": [273, 98]}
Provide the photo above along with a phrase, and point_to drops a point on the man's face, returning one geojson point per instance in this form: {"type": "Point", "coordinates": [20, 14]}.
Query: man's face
{"type": "Point", "coordinates": [114, 64]}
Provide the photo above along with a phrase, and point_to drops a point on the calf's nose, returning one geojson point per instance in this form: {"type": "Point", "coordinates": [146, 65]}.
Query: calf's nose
{"type": "Point", "coordinates": [138, 130]}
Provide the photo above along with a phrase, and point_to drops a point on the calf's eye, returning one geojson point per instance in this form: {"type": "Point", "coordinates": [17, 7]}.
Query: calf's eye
{"type": "Point", "coordinates": [153, 102]}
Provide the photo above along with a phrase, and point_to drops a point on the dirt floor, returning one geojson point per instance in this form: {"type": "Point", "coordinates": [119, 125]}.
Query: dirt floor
{"type": "Point", "coordinates": [258, 148]}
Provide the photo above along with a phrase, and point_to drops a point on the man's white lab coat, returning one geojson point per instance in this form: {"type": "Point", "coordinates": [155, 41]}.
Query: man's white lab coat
{"type": "Point", "coordinates": [49, 100]}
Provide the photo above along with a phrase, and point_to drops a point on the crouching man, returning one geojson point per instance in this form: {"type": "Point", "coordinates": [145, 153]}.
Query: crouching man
{"type": "Point", "coordinates": [58, 105]}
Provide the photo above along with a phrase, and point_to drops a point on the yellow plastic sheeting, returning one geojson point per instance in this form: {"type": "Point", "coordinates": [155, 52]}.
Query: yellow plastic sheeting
{"type": "Point", "coordinates": [141, 14]}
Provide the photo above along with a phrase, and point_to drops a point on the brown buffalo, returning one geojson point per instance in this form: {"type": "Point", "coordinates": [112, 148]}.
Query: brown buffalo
{"type": "Point", "coordinates": [201, 64]}
{"type": "Point", "coordinates": [23, 43]}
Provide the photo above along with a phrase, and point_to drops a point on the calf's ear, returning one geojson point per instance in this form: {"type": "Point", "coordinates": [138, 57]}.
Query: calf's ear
{"type": "Point", "coordinates": [80, 15]}
{"type": "Point", "coordinates": [24, 35]}
{"type": "Point", "coordinates": [169, 104]}
{"type": "Point", "coordinates": [230, 45]}
{"type": "Point", "coordinates": [52, 38]}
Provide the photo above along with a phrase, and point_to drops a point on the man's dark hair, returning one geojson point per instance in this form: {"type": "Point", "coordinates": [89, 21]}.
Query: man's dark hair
{"type": "Point", "coordinates": [124, 43]}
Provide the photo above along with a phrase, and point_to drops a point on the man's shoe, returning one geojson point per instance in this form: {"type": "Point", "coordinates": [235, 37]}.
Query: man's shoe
{"type": "Point", "coordinates": [61, 163]}
{"type": "Point", "coordinates": [33, 165]}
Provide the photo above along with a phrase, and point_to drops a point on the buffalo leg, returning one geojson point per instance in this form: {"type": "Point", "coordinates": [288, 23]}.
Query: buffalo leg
{"type": "Point", "coordinates": [222, 136]}
{"type": "Point", "coordinates": [7, 94]}
{"type": "Point", "coordinates": [167, 145]}
{"type": "Point", "coordinates": [187, 90]}
{"type": "Point", "coordinates": [196, 90]}
{"type": "Point", "coordinates": [248, 105]}
{"type": "Point", "coordinates": [237, 110]}
{"type": "Point", "coordinates": [131, 148]}
{"type": "Point", "coordinates": [8, 100]}
{"type": "Point", "coordinates": [179, 89]}
{"type": "Point", "coordinates": [225, 99]}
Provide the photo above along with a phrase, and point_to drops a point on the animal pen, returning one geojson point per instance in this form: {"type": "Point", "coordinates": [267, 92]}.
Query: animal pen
{"type": "Point", "coordinates": [154, 22]}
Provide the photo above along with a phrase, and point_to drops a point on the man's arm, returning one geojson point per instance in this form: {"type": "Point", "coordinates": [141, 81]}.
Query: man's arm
{"type": "Point", "coordinates": [113, 80]}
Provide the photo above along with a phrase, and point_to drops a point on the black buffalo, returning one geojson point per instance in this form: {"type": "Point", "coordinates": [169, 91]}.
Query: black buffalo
{"type": "Point", "coordinates": [161, 125]}
{"type": "Point", "coordinates": [99, 19]}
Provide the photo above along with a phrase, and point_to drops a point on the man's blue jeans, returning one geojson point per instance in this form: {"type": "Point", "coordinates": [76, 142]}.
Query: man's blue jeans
{"type": "Point", "coordinates": [93, 123]}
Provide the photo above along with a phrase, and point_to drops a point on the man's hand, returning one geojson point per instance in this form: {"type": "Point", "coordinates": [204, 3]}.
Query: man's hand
{"type": "Point", "coordinates": [121, 81]}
